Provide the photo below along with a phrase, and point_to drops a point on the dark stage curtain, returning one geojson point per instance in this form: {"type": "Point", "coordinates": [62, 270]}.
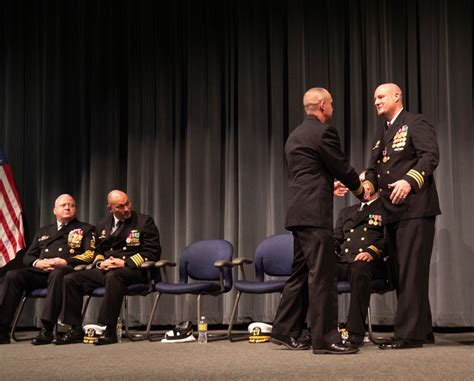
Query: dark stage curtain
{"type": "Point", "coordinates": [186, 105]}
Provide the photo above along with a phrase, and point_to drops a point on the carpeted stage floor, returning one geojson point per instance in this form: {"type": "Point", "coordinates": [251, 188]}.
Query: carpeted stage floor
{"type": "Point", "coordinates": [451, 358]}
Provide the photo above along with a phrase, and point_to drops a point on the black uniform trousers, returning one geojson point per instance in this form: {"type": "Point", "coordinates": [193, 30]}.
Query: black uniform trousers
{"type": "Point", "coordinates": [115, 282]}
{"type": "Point", "coordinates": [311, 288]}
{"type": "Point", "coordinates": [27, 279]}
{"type": "Point", "coordinates": [359, 274]}
{"type": "Point", "coordinates": [412, 243]}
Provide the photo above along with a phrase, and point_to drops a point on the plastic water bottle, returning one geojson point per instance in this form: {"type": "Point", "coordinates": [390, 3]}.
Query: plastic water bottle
{"type": "Point", "coordinates": [119, 330]}
{"type": "Point", "coordinates": [202, 331]}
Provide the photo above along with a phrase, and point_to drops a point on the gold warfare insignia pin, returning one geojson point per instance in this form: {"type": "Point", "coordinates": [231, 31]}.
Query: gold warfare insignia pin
{"type": "Point", "coordinates": [102, 234]}
{"type": "Point", "coordinates": [43, 237]}
{"type": "Point", "coordinates": [377, 145]}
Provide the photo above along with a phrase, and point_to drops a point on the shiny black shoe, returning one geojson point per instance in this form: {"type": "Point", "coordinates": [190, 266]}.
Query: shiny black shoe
{"type": "Point", "coordinates": [354, 339]}
{"type": "Point", "coordinates": [74, 335]}
{"type": "Point", "coordinates": [4, 335]}
{"type": "Point", "coordinates": [402, 344]}
{"type": "Point", "coordinates": [108, 337]}
{"type": "Point", "coordinates": [336, 349]}
{"type": "Point", "coordinates": [430, 339]}
{"type": "Point", "coordinates": [292, 343]}
{"type": "Point", "coordinates": [305, 338]}
{"type": "Point", "coordinates": [45, 336]}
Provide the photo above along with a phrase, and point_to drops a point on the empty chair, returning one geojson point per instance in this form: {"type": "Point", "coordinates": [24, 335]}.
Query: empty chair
{"type": "Point", "coordinates": [273, 257]}
{"type": "Point", "coordinates": [205, 268]}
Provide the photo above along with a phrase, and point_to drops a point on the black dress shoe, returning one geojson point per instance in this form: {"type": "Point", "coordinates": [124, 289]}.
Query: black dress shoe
{"type": "Point", "coordinates": [336, 349]}
{"type": "Point", "coordinates": [74, 335]}
{"type": "Point", "coordinates": [108, 337]}
{"type": "Point", "coordinates": [305, 338]}
{"type": "Point", "coordinates": [292, 343]}
{"type": "Point", "coordinates": [401, 344]}
{"type": "Point", "coordinates": [45, 336]}
{"type": "Point", "coordinates": [430, 339]}
{"type": "Point", "coordinates": [354, 339]}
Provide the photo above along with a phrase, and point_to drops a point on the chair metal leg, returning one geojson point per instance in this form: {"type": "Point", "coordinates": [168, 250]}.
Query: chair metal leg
{"type": "Point", "coordinates": [198, 308]}
{"type": "Point", "coordinates": [210, 337]}
{"type": "Point", "coordinates": [372, 338]}
{"type": "Point", "coordinates": [149, 335]}
{"type": "Point", "coordinates": [84, 309]}
{"type": "Point", "coordinates": [128, 334]}
{"type": "Point", "coordinates": [231, 322]}
{"type": "Point", "coordinates": [17, 318]}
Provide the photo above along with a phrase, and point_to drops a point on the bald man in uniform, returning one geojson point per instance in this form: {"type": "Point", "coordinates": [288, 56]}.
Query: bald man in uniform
{"type": "Point", "coordinates": [404, 156]}
{"type": "Point", "coordinates": [314, 159]}
{"type": "Point", "coordinates": [125, 240]}
{"type": "Point", "coordinates": [54, 252]}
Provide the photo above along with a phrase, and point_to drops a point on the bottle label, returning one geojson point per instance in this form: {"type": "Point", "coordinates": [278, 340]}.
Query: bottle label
{"type": "Point", "coordinates": [202, 327]}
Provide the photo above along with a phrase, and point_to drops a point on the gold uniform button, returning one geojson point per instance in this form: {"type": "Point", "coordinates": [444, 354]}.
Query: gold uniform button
{"type": "Point", "coordinates": [378, 161]}
{"type": "Point", "coordinates": [124, 248]}
{"type": "Point", "coordinates": [362, 238]}
{"type": "Point", "coordinates": [46, 250]}
{"type": "Point", "coordinates": [111, 249]}
{"type": "Point", "coordinates": [365, 229]}
{"type": "Point", "coordinates": [378, 176]}
{"type": "Point", "coordinates": [346, 251]}
{"type": "Point", "coordinates": [380, 190]}
{"type": "Point", "coordinates": [123, 257]}
{"type": "Point", "coordinates": [60, 249]}
{"type": "Point", "coordinates": [388, 172]}
{"type": "Point", "coordinates": [71, 251]}
{"type": "Point", "coordinates": [348, 239]}
{"type": "Point", "coordinates": [352, 230]}
{"type": "Point", "coordinates": [360, 250]}
{"type": "Point", "coordinates": [423, 173]}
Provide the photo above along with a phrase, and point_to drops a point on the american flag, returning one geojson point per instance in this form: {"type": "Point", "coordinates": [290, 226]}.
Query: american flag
{"type": "Point", "coordinates": [11, 221]}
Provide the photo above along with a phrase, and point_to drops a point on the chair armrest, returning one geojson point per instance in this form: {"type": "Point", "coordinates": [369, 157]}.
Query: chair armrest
{"type": "Point", "coordinates": [165, 262]}
{"type": "Point", "coordinates": [241, 260]}
{"type": "Point", "coordinates": [80, 267]}
{"type": "Point", "coordinates": [221, 264]}
{"type": "Point", "coordinates": [148, 265]}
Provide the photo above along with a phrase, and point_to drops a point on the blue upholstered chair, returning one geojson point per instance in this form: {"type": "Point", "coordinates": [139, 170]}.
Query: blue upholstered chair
{"type": "Point", "coordinates": [207, 264]}
{"type": "Point", "coordinates": [33, 294]}
{"type": "Point", "coordinates": [273, 257]}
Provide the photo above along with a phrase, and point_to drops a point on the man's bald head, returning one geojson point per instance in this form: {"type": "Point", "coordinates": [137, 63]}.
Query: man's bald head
{"type": "Point", "coordinates": [318, 101]}
{"type": "Point", "coordinates": [119, 204]}
{"type": "Point", "coordinates": [388, 100]}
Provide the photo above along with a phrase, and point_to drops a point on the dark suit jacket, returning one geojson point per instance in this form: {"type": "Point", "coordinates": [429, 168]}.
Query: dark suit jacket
{"type": "Point", "coordinates": [411, 154]}
{"type": "Point", "coordinates": [137, 241]}
{"type": "Point", "coordinates": [75, 243]}
{"type": "Point", "coordinates": [314, 158]}
{"type": "Point", "coordinates": [359, 231]}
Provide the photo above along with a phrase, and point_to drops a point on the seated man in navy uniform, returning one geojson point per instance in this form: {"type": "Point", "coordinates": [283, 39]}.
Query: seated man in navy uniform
{"type": "Point", "coordinates": [125, 240]}
{"type": "Point", "coordinates": [358, 241]}
{"type": "Point", "coordinates": [55, 250]}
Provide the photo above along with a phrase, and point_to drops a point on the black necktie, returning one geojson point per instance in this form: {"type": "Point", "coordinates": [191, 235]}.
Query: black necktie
{"type": "Point", "coordinates": [388, 125]}
{"type": "Point", "coordinates": [118, 225]}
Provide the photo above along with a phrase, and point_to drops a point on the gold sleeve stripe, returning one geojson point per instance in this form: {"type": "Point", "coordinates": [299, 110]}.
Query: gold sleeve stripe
{"type": "Point", "coordinates": [358, 191]}
{"type": "Point", "coordinates": [417, 176]}
{"type": "Point", "coordinates": [371, 186]}
{"type": "Point", "coordinates": [99, 257]}
{"type": "Point", "coordinates": [137, 259]}
{"type": "Point", "coordinates": [373, 248]}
